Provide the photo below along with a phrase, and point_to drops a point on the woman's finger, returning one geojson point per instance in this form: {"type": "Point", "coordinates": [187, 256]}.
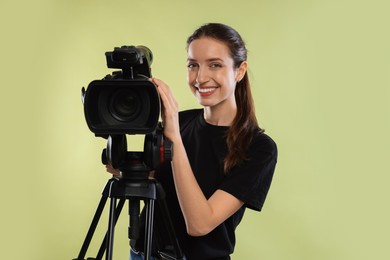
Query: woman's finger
{"type": "Point", "coordinates": [169, 101]}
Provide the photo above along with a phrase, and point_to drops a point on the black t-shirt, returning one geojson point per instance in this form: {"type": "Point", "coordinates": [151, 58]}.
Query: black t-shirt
{"type": "Point", "coordinates": [249, 181]}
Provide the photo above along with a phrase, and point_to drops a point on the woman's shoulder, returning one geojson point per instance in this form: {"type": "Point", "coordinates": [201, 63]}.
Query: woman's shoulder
{"type": "Point", "coordinates": [263, 142]}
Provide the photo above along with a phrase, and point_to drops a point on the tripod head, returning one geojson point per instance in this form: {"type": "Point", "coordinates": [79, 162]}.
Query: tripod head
{"type": "Point", "coordinates": [137, 165]}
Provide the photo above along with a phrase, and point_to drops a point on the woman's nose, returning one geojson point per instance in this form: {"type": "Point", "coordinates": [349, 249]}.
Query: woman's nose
{"type": "Point", "coordinates": [202, 76]}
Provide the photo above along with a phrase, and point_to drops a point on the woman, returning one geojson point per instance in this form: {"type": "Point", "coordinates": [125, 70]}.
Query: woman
{"type": "Point", "coordinates": [222, 161]}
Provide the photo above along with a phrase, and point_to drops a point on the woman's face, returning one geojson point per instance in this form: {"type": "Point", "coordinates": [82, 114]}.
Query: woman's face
{"type": "Point", "coordinates": [211, 74]}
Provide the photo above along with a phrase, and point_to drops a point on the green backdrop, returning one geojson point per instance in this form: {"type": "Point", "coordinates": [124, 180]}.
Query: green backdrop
{"type": "Point", "coordinates": [320, 74]}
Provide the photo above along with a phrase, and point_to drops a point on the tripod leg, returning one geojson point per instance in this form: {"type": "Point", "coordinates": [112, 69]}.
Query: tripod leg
{"type": "Point", "coordinates": [103, 246]}
{"type": "Point", "coordinates": [111, 228]}
{"type": "Point", "coordinates": [134, 222]}
{"type": "Point", "coordinates": [170, 229]}
{"type": "Point", "coordinates": [149, 228]}
{"type": "Point", "coordinates": [167, 253]}
{"type": "Point", "coordinates": [92, 228]}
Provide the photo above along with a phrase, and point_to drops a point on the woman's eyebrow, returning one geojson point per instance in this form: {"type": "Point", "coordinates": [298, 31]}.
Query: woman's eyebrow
{"type": "Point", "coordinates": [208, 60]}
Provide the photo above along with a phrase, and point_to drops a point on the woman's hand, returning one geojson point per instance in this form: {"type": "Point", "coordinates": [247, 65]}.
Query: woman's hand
{"type": "Point", "coordinates": [170, 111]}
{"type": "Point", "coordinates": [113, 171]}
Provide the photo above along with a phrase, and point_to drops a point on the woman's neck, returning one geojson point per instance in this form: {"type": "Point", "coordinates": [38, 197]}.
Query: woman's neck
{"type": "Point", "coordinates": [219, 115]}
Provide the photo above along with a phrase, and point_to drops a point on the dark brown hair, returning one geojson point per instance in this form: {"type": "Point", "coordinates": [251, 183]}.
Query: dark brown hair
{"type": "Point", "coordinates": [244, 125]}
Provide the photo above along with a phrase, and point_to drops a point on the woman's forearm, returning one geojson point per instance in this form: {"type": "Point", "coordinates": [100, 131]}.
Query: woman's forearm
{"type": "Point", "coordinates": [193, 203]}
{"type": "Point", "coordinates": [201, 215]}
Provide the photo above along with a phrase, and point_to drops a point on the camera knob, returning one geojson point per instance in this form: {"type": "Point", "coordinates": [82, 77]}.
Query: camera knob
{"type": "Point", "coordinates": [168, 151]}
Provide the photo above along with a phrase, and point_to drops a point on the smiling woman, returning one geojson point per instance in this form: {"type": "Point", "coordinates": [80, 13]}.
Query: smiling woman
{"type": "Point", "coordinates": [222, 161]}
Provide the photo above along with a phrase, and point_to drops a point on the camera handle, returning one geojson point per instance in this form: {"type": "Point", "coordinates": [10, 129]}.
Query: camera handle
{"type": "Point", "coordinates": [148, 190]}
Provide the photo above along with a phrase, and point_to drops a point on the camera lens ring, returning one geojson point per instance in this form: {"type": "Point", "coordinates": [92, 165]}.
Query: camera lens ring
{"type": "Point", "coordinates": [125, 105]}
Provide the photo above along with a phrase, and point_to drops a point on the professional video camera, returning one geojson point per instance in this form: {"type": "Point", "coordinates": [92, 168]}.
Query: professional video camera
{"type": "Point", "coordinates": [127, 102]}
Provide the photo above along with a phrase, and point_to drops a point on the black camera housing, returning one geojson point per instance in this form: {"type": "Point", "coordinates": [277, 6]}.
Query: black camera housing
{"type": "Point", "coordinates": [126, 102]}
{"type": "Point", "coordinates": [121, 106]}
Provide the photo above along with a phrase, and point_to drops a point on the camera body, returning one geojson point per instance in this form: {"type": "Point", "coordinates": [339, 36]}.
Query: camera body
{"type": "Point", "coordinates": [125, 102]}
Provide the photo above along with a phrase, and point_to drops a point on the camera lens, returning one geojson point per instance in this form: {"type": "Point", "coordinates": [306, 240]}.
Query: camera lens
{"type": "Point", "coordinates": [125, 105]}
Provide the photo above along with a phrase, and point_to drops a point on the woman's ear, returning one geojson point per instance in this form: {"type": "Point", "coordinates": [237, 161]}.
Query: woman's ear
{"type": "Point", "coordinates": [241, 70]}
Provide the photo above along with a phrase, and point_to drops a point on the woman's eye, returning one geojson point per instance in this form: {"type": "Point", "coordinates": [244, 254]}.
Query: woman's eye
{"type": "Point", "coordinates": [191, 65]}
{"type": "Point", "coordinates": [215, 65]}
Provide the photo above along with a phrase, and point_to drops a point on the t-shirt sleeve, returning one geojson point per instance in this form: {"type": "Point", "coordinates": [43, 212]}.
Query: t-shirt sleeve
{"type": "Point", "coordinates": [251, 180]}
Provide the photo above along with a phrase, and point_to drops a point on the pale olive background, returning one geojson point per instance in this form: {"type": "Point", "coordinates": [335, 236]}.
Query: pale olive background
{"type": "Point", "coordinates": [320, 72]}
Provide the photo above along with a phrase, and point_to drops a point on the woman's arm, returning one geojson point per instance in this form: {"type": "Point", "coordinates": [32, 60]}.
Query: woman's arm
{"type": "Point", "coordinates": [201, 215]}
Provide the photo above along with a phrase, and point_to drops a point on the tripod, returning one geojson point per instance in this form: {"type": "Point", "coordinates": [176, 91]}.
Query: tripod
{"type": "Point", "coordinates": [148, 190]}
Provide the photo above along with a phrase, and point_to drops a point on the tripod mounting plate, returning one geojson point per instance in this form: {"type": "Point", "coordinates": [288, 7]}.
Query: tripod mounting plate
{"type": "Point", "coordinates": [123, 188]}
